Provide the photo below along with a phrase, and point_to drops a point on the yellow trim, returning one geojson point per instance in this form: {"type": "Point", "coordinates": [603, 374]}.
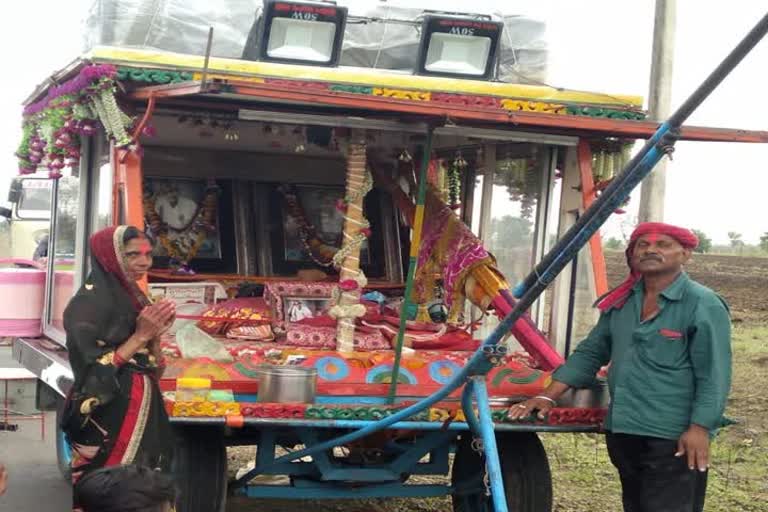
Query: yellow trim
{"type": "Point", "coordinates": [400, 94]}
{"type": "Point", "coordinates": [533, 106]}
{"type": "Point", "coordinates": [418, 222]}
{"type": "Point", "coordinates": [235, 68]}
{"type": "Point", "coordinates": [218, 76]}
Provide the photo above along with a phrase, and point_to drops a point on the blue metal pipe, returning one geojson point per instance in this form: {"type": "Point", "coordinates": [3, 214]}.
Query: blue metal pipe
{"type": "Point", "coordinates": [402, 425]}
{"type": "Point", "coordinates": [488, 435]}
{"type": "Point", "coordinates": [469, 411]}
{"type": "Point", "coordinates": [325, 491]}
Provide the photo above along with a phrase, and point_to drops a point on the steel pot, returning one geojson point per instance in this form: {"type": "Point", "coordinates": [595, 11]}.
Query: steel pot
{"type": "Point", "coordinates": [286, 384]}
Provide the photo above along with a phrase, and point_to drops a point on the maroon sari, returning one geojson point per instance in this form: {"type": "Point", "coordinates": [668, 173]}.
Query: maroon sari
{"type": "Point", "coordinates": [115, 413]}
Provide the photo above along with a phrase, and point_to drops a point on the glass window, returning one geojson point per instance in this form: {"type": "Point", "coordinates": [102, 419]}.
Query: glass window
{"type": "Point", "coordinates": [64, 244]}
{"type": "Point", "coordinates": [34, 200]}
{"type": "Point", "coordinates": [476, 204]}
{"type": "Point", "coordinates": [102, 214]}
{"type": "Point", "coordinates": [517, 185]}
{"type": "Point", "coordinates": [514, 208]}
{"type": "Point", "coordinates": [583, 316]}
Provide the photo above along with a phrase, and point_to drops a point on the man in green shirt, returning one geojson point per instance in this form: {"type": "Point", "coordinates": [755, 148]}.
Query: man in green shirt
{"type": "Point", "coordinates": [668, 340]}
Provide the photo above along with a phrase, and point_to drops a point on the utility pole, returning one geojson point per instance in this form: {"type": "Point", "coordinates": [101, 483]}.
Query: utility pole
{"type": "Point", "coordinates": [659, 105]}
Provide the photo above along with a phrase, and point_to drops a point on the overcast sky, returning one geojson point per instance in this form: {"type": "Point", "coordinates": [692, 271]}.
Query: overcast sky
{"type": "Point", "coordinates": [600, 45]}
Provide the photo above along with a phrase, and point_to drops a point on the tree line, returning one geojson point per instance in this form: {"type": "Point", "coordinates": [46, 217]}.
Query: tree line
{"type": "Point", "coordinates": [736, 244]}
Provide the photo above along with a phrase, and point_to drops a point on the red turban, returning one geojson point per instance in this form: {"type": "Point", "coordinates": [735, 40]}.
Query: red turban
{"type": "Point", "coordinates": [618, 296]}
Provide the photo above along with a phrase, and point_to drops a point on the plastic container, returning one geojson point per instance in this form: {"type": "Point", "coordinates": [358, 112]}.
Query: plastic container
{"type": "Point", "coordinates": [192, 309]}
{"type": "Point", "coordinates": [192, 389]}
{"type": "Point", "coordinates": [22, 314]}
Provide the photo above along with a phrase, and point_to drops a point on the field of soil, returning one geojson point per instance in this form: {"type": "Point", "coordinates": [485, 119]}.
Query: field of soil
{"type": "Point", "coordinates": [742, 281]}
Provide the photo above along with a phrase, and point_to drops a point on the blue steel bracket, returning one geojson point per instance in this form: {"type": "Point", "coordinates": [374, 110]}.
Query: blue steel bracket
{"type": "Point", "coordinates": [436, 444]}
{"type": "Point", "coordinates": [313, 490]}
{"type": "Point", "coordinates": [426, 445]}
{"type": "Point", "coordinates": [265, 455]}
{"type": "Point", "coordinates": [666, 144]}
{"type": "Point", "coordinates": [495, 355]}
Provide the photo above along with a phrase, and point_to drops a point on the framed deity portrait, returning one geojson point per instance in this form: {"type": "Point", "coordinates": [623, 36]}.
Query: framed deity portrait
{"type": "Point", "coordinates": [316, 207]}
{"type": "Point", "coordinates": [182, 215]}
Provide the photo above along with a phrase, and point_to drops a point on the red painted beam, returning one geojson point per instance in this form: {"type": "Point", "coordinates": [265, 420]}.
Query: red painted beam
{"type": "Point", "coordinates": [588, 196]}
{"type": "Point", "coordinates": [614, 127]}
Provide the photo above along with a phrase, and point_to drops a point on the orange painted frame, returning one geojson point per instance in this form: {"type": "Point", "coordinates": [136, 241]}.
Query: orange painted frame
{"type": "Point", "coordinates": [127, 191]}
{"type": "Point", "coordinates": [588, 196]}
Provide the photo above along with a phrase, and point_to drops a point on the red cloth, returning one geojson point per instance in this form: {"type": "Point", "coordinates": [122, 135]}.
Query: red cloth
{"type": "Point", "coordinates": [451, 339]}
{"type": "Point", "coordinates": [234, 313]}
{"type": "Point", "coordinates": [618, 296]}
{"type": "Point", "coordinates": [107, 248]}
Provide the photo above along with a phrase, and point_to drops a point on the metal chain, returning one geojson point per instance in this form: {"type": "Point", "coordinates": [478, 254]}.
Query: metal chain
{"type": "Point", "coordinates": [477, 447]}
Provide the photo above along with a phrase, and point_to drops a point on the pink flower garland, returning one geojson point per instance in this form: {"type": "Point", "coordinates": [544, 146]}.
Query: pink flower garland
{"type": "Point", "coordinates": [59, 111]}
{"type": "Point", "coordinates": [86, 79]}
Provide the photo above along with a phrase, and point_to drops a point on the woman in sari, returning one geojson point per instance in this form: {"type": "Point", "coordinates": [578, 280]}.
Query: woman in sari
{"type": "Point", "coordinates": [115, 414]}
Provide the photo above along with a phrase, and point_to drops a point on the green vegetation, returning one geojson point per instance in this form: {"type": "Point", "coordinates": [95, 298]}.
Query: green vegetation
{"type": "Point", "coordinates": [585, 480]}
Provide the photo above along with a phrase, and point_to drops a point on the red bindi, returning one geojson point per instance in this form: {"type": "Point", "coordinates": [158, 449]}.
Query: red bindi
{"type": "Point", "coordinates": [653, 237]}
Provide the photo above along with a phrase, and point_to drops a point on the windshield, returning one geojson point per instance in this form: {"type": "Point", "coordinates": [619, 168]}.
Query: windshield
{"type": "Point", "coordinates": [35, 199]}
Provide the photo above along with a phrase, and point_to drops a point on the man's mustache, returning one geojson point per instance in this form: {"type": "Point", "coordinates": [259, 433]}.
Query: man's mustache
{"type": "Point", "coordinates": [652, 257]}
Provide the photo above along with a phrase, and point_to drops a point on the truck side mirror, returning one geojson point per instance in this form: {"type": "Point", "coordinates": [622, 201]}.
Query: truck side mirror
{"type": "Point", "coordinates": [14, 192]}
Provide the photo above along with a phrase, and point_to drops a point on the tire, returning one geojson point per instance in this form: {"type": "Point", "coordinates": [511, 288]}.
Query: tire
{"type": "Point", "coordinates": [200, 470]}
{"type": "Point", "coordinates": [524, 467]}
{"type": "Point", "coordinates": [63, 451]}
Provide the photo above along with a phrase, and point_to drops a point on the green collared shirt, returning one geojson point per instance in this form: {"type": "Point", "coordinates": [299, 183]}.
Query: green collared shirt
{"type": "Point", "coordinates": [666, 373]}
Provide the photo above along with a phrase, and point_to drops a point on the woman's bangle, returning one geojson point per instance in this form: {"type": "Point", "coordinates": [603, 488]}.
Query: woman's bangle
{"type": "Point", "coordinates": [118, 360]}
{"type": "Point", "coordinates": [550, 400]}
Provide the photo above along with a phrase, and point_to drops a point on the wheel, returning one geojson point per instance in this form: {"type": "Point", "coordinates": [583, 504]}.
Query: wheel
{"type": "Point", "coordinates": [524, 467]}
{"type": "Point", "coordinates": [200, 470]}
{"type": "Point", "coordinates": [63, 450]}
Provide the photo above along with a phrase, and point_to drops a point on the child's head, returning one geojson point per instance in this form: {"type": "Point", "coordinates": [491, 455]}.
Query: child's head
{"type": "Point", "coordinates": [125, 489]}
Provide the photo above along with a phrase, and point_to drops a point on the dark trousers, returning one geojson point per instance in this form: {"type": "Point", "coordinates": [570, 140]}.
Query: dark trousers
{"type": "Point", "coordinates": [652, 478]}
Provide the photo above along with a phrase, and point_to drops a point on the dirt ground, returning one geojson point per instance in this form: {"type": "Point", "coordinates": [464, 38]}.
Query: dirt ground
{"type": "Point", "coordinates": [584, 480]}
{"type": "Point", "coordinates": [742, 281]}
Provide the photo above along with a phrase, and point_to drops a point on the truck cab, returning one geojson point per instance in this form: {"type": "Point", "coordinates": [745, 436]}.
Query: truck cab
{"type": "Point", "coordinates": [243, 168]}
{"type": "Point", "coordinates": [28, 216]}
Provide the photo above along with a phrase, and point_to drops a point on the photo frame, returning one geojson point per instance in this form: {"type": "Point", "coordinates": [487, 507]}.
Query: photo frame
{"type": "Point", "coordinates": [293, 301]}
{"type": "Point", "coordinates": [296, 309]}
